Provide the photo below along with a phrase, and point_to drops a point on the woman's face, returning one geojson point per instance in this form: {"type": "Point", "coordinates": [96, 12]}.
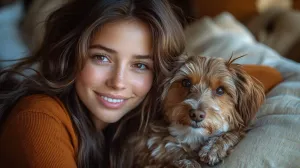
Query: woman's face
{"type": "Point", "coordinates": [118, 73]}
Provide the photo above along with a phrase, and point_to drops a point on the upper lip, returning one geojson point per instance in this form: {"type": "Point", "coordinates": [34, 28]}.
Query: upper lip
{"type": "Point", "coordinates": [112, 96]}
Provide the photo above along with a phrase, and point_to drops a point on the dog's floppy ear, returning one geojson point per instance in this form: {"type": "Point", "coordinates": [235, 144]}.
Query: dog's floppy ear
{"type": "Point", "coordinates": [167, 81]}
{"type": "Point", "coordinates": [166, 84]}
{"type": "Point", "coordinates": [250, 93]}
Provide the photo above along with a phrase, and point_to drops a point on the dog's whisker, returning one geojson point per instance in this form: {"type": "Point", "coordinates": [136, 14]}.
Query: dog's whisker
{"type": "Point", "coordinates": [196, 88]}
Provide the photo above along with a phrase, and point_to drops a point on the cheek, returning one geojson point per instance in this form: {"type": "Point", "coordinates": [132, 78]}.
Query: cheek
{"type": "Point", "coordinates": [175, 110]}
{"type": "Point", "coordinates": [226, 114]}
{"type": "Point", "coordinates": [226, 105]}
{"type": "Point", "coordinates": [91, 76]}
{"type": "Point", "coordinates": [141, 83]}
{"type": "Point", "coordinates": [178, 114]}
{"type": "Point", "coordinates": [176, 94]}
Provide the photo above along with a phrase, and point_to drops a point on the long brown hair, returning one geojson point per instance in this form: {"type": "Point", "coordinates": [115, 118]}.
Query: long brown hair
{"type": "Point", "coordinates": [63, 52]}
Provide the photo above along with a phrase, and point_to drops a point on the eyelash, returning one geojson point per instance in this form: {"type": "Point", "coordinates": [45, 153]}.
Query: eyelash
{"type": "Point", "coordinates": [99, 58]}
{"type": "Point", "coordinates": [143, 64]}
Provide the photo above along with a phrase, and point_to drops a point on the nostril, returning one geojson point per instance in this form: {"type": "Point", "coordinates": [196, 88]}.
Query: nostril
{"type": "Point", "coordinates": [192, 115]}
{"type": "Point", "coordinates": [202, 115]}
{"type": "Point", "coordinates": [196, 115]}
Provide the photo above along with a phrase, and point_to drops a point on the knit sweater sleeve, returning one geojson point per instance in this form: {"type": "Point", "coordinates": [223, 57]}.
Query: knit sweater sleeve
{"type": "Point", "coordinates": [33, 139]}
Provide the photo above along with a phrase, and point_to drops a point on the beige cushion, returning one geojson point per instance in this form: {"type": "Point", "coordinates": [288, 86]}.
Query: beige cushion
{"type": "Point", "coordinates": [274, 141]}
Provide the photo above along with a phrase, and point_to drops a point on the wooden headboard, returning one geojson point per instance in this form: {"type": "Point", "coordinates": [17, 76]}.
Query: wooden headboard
{"type": "Point", "coordinates": [241, 9]}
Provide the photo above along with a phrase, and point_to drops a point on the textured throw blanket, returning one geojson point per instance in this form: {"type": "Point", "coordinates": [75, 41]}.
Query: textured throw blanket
{"type": "Point", "coordinates": [274, 140]}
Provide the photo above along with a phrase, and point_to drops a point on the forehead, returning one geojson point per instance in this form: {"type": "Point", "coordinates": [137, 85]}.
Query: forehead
{"type": "Point", "coordinates": [207, 69]}
{"type": "Point", "coordinates": [125, 36]}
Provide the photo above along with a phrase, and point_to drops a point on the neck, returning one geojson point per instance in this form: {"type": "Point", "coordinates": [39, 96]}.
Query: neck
{"type": "Point", "coordinates": [100, 125]}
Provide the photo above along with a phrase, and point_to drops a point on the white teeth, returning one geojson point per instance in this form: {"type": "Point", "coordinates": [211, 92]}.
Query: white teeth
{"type": "Point", "coordinates": [111, 100]}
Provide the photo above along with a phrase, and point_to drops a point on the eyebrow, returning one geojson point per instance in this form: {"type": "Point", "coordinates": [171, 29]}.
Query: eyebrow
{"type": "Point", "coordinates": [142, 57]}
{"type": "Point", "coordinates": [99, 46]}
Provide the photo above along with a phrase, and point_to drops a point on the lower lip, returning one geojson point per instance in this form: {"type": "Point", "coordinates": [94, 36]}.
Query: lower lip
{"type": "Point", "coordinates": [109, 104]}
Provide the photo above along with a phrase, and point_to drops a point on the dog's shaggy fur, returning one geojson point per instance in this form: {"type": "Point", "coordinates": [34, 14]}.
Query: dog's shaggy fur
{"type": "Point", "coordinates": [207, 106]}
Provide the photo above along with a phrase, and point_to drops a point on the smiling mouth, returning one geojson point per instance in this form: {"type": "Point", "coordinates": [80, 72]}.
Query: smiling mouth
{"type": "Point", "coordinates": [112, 100]}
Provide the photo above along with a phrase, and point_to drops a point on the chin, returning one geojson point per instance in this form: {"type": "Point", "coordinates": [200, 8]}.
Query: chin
{"type": "Point", "coordinates": [109, 118]}
{"type": "Point", "coordinates": [208, 104]}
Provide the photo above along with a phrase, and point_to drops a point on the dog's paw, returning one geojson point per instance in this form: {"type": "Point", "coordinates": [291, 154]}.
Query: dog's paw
{"type": "Point", "coordinates": [217, 148]}
{"type": "Point", "coordinates": [213, 153]}
{"type": "Point", "coordinates": [186, 163]}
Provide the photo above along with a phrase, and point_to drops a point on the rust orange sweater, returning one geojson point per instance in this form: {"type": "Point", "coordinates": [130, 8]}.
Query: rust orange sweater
{"type": "Point", "coordinates": [39, 133]}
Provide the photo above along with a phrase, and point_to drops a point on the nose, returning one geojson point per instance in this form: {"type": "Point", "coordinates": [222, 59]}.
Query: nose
{"type": "Point", "coordinates": [116, 80]}
{"type": "Point", "coordinates": [197, 115]}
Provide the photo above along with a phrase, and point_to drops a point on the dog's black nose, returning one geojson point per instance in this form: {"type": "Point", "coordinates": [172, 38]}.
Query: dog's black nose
{"type": "Point", "coordinates": [197, 115]}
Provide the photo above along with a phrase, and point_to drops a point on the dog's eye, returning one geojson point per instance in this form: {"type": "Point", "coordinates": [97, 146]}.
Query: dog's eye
{"type": "Point", "coordinates": [186, 83]}
{"type": "Point", "coordinates": [220, 90]}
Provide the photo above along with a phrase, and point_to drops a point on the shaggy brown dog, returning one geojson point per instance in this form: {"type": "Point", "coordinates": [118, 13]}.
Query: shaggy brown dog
{"type": "Point", "coordinates": [208, 105]}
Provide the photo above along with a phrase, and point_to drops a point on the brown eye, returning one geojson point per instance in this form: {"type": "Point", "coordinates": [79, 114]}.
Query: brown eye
{"type": "Point", "coordinates": [186, 83]}
{"type": "Point", "coordinates": [101, 58]}
{"type": "Point", "coordinates": [220, 90]}
{"type": "Point", "coordinates": [141, 66]}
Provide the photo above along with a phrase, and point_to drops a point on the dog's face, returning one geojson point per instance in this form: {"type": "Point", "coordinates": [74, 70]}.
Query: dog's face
{"type": "Point", "coordinates": [211, 94]}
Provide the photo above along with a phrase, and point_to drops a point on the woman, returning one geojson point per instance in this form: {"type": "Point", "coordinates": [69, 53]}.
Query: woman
{"type": "Point", "coordinates": [97, 72]}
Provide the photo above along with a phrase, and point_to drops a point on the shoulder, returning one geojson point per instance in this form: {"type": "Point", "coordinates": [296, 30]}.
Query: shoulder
{"type": "Point", "coordinates": [38, 128]}
{"type": "Point", "coordinates": [43, 104]}
{"type": "Point", "coordinates": [40, 109]}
